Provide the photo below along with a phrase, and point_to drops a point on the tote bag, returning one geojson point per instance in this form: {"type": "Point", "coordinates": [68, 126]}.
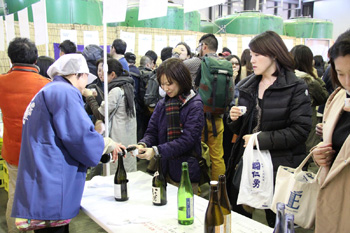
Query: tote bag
{"type": "Point", "coordinates": [298, 190]}
{"type": "Point", "coordinates": [256, 187]}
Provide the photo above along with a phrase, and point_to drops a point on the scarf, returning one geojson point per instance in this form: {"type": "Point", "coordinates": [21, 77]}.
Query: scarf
{"type": "Point", "coordinates": [127, 84]}
{"type": "Point", "coordinates": [172, 110]}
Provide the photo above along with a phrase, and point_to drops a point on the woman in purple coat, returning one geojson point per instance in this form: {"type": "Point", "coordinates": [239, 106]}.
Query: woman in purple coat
{"type": "Point", "coordinates": [175, 128]}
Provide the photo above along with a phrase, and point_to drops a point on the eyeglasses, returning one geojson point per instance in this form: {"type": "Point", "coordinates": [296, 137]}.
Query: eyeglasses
{"type": "Point", "coordinates": [235, 63]}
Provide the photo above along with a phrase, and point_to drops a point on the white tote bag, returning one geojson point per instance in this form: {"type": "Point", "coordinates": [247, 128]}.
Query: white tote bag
{"type": "Point", "coordinates": [256, 187]}
{"type": "Point", "coordinates": [298, 190]}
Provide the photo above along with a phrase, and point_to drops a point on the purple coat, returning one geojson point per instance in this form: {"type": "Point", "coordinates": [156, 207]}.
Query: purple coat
{"type": "Point", "coordinates": [179, 150]}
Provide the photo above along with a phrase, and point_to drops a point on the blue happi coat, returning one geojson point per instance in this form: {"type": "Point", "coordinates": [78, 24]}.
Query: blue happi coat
{"type": "Point", "coordinates": [58, 144]}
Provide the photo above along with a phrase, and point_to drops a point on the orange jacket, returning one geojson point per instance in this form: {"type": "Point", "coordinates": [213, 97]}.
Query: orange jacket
{"type": "Point", "coordinates": [17, 88]}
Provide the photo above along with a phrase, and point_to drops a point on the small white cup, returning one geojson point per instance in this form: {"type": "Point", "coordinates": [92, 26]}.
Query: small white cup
{"type": "Point", "coordinates": [94, 92]}
{"type": "Point", "coordinates": [243, 109]}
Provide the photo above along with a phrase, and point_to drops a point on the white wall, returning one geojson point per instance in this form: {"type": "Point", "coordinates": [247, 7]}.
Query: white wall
{"type": "Point", "coordinates": [335, 10]}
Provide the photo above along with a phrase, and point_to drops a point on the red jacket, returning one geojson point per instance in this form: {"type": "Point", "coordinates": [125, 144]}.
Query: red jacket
{"type": "Point", "coordinates": [17, 88]}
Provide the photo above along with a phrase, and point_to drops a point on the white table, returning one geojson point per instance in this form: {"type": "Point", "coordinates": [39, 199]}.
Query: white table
{"type": "Point", "coordinates": [138, 214]}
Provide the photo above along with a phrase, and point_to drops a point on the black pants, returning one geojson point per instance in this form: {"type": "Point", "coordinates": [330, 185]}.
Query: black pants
{"type": "Point", "coordinates": [61, 229]}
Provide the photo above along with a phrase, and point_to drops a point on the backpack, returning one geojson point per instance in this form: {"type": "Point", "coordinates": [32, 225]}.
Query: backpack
{"type": "Point", "coordinates": [216, 85]}
{"type": "Point", "coordinates": [152, 92]}
{"type": "Point", "coordinates": [144, 78]}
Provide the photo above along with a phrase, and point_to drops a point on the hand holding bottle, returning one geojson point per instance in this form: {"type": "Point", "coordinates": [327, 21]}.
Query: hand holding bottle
{"type": "Point", "coordinates": [135, 151]}
{"type": "Point", "coordinates": [118, 148]}
{"type": "Point", "coordinates": [146, 153]}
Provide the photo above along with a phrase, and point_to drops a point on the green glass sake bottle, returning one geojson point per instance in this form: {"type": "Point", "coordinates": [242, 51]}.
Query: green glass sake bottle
{"type": "Point", "coordinates": [185, 204]}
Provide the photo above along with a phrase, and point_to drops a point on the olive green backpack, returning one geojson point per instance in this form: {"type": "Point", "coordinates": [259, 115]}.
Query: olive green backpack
{"type": "Point", "coordinates": [216, 85]}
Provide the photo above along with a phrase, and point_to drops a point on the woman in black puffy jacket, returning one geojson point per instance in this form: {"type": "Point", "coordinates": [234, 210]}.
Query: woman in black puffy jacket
{"type": "Point", "coordinates": [278, 106]}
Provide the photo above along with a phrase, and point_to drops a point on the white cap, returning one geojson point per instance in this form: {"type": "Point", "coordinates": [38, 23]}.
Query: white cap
{"type": "Point", "coordinates": [67, 64]}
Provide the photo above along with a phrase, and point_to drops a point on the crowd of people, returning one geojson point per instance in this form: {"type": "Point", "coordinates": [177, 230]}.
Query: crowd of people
{"type": "Point", "coordinates": [53, 111]}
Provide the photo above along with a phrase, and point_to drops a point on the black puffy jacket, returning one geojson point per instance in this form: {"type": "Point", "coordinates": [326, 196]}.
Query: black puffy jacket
{"type": "Point", "coordinates": [285, 118]}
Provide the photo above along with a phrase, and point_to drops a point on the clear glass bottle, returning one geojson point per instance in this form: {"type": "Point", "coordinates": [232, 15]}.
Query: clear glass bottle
{"type": "Point", "coordinates": [289, 223]}
{"type": "Point", "coordinates": [120, 180]}
{"type": "Point", "coordinates": [185, 204]}
{"type": "Point", "coordinates": [225, 204]}
{"type": "Point", "coordinates": [214, 218]}
{"type": "Point", "coordinates": [159, 184]}
{"type": "Point", "coordinates": [279, 224]}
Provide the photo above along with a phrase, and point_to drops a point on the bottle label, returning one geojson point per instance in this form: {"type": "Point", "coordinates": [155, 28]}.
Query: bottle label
{"type": "Point", "coordinates": [227, 223]}
{"type": "Point", "coordinates": [219, 229]}
{"type": "Point", "coordinates": [156, 174]}
{"type": "Point", "coordinates": [156, 195]}
{"type": "Point", "coordinates": [189, 207]}
{"type": "Point", "coordinates": [120, 189]}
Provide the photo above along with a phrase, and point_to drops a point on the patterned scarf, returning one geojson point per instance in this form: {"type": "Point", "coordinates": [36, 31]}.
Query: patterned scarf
{"type": "Point", "coordinates": [172, 110]}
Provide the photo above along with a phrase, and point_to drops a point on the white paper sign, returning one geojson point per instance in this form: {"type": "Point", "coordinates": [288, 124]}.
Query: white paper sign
{"type": "Point", "coordinates": [145, 44]}
{"type": "Point", "coordinates": [174, 40]}
{"type": "Point", "coordinates": [40, 22]}
{"type": "Point", "coordinates": [160, 42]}
{"type": "Point", "coordinates": [232, 44]}
{"type": "Point", "coordinates": [91, 37]}
{"type": "Point", "coordinates": [129, 38]}
{"type": "Point", "coordinates": [23, 23]}
{"type": "Point", "coordinates": [152, 9]}
{"type": "Point", "coordinates": [114, 11]}
{"type": "Point", "coordinates": [10, 28]}
{"type": "Point", "coordinates": [2, 33]}
{"type": "Point", "coordinates": [192, 42]}
{"type": "Point", "coordinates": [193, 5]}
{"type": "Point", "coordinates": [69, 35]}
{"type": "Point", "coordinates": [289, 43]}
{"type": "Point", "coordinates": [219, 44]}
{"type": "Point", "coordinates": [245, 42]}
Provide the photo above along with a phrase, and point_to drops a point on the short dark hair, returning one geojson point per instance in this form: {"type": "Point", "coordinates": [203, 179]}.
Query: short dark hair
{"type": "Point", "coordinates": [22, 50]}
{"type": "Point", "coordinates": [319, 62]}
{"type": "Point", "coordinates": [44, 63]}
{"type": "Point", "coordinates": [187, 48]}
{"type": "Point", "coordinates": [225, 49]}
{"type": "Point", "coordinates": [210, 40]}
{"type": "Point", "coordinates": [119, 45]}
{"type": "Point", "coordinates": [152, 55]}
{"type": "Point", "coordinates": [68, 47]}
{"type": "Point", "coordinates": [130, 57]}
{"type": "Point", "coordinates": [270, 44]}
{"type": "Point", "coordinates": [145, 60]}
{"type": "Point", "coordinates": [116, 66]}
{"type": "Point", "coordinates": [175, 70]}
{"type": "Point", "coordinates": [166, 53]}
{"type": "Point", "coordinates": [101, 60]}
{"type": "Point", "coordinates": [303, 59]}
